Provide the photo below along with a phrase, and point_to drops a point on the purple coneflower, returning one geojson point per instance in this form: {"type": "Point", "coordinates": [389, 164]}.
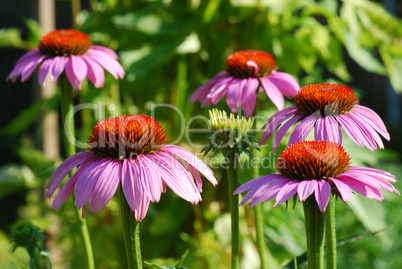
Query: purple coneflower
{"type": "Point", "coordinates": [246, 72]}
{"type": "Point", "coordinates": [321, 167]}
{"type": "Point", "coordinates": [327, 107]}
{"type": "Point", "coordinates": [70, 51]}
{"type": "Point", "coordinates": [131, 151]}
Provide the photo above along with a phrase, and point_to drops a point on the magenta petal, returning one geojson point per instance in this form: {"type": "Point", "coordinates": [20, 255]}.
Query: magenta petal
{"type": "Point", "coordinates": [192, 159]}
{"type": "Point", "coordinates": [306, 188]}
{"type": "Point", "coordinates": [95, 72]}
{"type": "Point", "coordinates": [202, 92]}
{"type": "Point", "coordinates": [79, 67]}
{"type": "Point", "coordinates": [233, 94]}
{"type": "Point", "coordinates": [322, 194]}
{"type": "Point", "coordinates": [327, 129]}
{"type": "Point", "coordinates": [106, 186]}
{"type": "Point", "coordinates": [107, 62]}
{"type": "Point", "coordinates": [131, 184]}
{"type": "Point", "coordinates": [344, 190]}
{"type": "Point", "coordinates": [273, 93]}
{"type": "Point", "coordinates": [142, 209]}
{"type": "Point", "coordinates": [59, 63]}
{"type": "Point", "coordinates": [286, 192]}
{"type": "Point", "coordinates": [74, 81]}
{"type": "Point", "coordinates": [372, 119]}
{"type": "Point", "coordinates": [361, 187]}
{"type": "Point", "coordinates": [44, 70]}
{"type": "Point", "coordinates": [368, 132]}
{"type": "Point", "coordinates": [108, 51]}
{"type": "Point", "coordinates": [350, 129]}
{"type": "Point", "coordinates": [249, 106]}
{"type": "Point", "coordinates": [275, 122]}
{"type": "Point", "coordinates": [28, 69]}
{"type": "Point", "coordinates": [302, 129]}
{"type": "Point", "coordinates": [283, 131]}
{"type": "Point", "coordinates": [64, 169]}
{"type": "Point", "coordinates": [267, 191]}
{"type": "Point", "coordinates": [27, 58]}
{"type": "Point", "coordinates": [150, 179]}
{"type": "Point", "coordinates": [219, 90]}
{"type": "Point", "coordinates": [286, 83]}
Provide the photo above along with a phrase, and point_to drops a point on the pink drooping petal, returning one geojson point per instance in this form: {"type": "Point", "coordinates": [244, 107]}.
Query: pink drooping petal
{"type": "Point", "coordinates": [219, 90]}
{"type": "Point", "coordinates": [59, 63]}
{"type": "Point", "coordinates": [302, 129]}
{"type": "Point", "coordinates": [95, 72]}
{"type": "Point", "coordinates": [344, 189]}
{"type": "Point", "coordinates": [106, 50]}
{"type": "Point", "coordinates": [68, 188]}
{"type": "Point", "coordinates": [249, 106]}
{"type": "Point", "coordinates": [202, 92]}
{"type": "Point", "coordinates": [84, 188]}
{"type": "Point", "coordinates": [306, 188]}
{"type": "Point", "coordinates": [108, 62]}
{"type": "Point", "coordinates": [361, 187]}
{"type": "Point", "coordinates": [44, 70]}
{"type": "Point", "coordinates": [286, 83]}
{"type": "Point", "coordinates": [253, 64]}
{"type": "Point", "coordinates": [373, 170]}
{"type": "Point", "coordinates": [64, 169]}
{"type": "Point", "coordinates": [267, 191]}
{"type": "Point", "coordinates": [280, 134]}
{"type": "Point", "coordinates": [74, 81]}
{"type": "Point", "coordinates": [233, 94]}
{"type": "Point", "coordinates": [368, 131]}
{"type": "Point", "coordinates": [327, 129]}
{"type": "Point", "coordinates": [31, 56]}
{"type": "Point", "coordinates": [172, 174]}
{"type": "Point", "coordinates": [286, 192]}
{"type": "Point", "coordinates": [150, 178]}
{"type": "Point", "coordinates": [249, 96]}
{"type": "Point", "coordinates": [79, 67]}
{"type": "Point", "coordinates": [30, 66]}
{"type": "Point", "coordinates": [131, 183]}
{"type": "Point", "coordinates": [275, 122]}
{"type": "Point", "coordinates": [197, 177]}
{"type": "Point", "coordinates": [106, 186]}
{"type": "Point", "coordinates": [372, 119]}
{"type": "Point", "coordinates": [192, 159]}
{"type": "Point", "coordinates": [273, 93]}
{"type": "Point", "coordinates": [350, 129]}
{"type": "Point", "coordinates": [322, 194]}
{"type": "Point", "coordinates": [374, 180]}
{"type": "Point", "coordinates": [142, 210]}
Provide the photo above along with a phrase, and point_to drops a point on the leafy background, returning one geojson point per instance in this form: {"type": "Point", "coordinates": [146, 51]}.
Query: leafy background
{"type": "Point", "coordinates": [168, 49]}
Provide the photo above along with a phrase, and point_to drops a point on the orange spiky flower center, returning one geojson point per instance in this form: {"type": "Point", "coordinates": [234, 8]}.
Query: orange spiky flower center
{"type": "Point", "coordinates": [313, 160]}
{"type": "Point", "coordinates": [238, 64]}
{"type": "Point", "coordinates": [127, 136]}
{"type": "Point", "coordinates": [325, 99]}
{"type": "Point", "coordinates": [64, 42]}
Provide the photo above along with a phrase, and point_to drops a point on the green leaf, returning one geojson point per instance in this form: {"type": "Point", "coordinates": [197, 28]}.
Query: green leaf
{"type": "Point", "coordinates": [35, 32]}
{"type": "Point", "coordinates": [37, 162]}
{"type": "Point", "coordinates": [393, 63]}
{"type": "Point", "coordinates": [14, 178]}
{"type": "Point", "coordinates": [11, 37]}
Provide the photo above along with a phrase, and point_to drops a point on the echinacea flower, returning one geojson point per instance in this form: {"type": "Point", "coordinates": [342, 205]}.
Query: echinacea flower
{"type": "Point", "coordinates": [326, 108]}
{"type": "Point", "coordinates": [318, 167]}
{"type": "Point", "coordinates": [246, 72]}
{"type": "Point", "coordinates": [70, 51]}
{"type": "Point", "coordinates": [131, 151]}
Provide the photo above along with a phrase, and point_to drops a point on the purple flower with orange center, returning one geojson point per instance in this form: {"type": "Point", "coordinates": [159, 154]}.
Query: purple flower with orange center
{"type": "Point", "coordinates": [72, 52]}
{"type": "Point", "coordinates": [129, 151]}
{"type": "Point", "coordinates": [318, 167]}
{"type": "Point", "coordinates": [246, 73]}
{"type": "Point", "coordinates": [326, 108]}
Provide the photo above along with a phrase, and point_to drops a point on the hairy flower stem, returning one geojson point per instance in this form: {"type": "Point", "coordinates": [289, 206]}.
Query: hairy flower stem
{"type": "Point", "coordinates": [69, 139]}
{"type": "Point", "coordinates": [330, 234]}
{"type": "Point", "coordinates": [233, 179]}
{"type": "Point", "coordinates": [315, 229]}
{"type": "Point", "coordinates": [131, 233]}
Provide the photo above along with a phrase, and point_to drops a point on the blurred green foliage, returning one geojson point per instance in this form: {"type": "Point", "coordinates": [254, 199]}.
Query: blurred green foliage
{"type": "Point", "coordinates": [168, 49]}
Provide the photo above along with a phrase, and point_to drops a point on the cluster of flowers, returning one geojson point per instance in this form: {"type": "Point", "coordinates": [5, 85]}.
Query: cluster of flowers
{"type": "Point", "coordinates": [121, 149]}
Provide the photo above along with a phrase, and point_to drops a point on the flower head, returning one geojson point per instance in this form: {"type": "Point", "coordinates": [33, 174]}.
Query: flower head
{"type": "Point", "coordinates": [131, 151]}
{"type": "Point", "coordinates": [321, 167]}
{"type": "Point", "coordinates": [27, 235]}
{"type": "Point", "coordinates": [68, 51]}
{"type": "Point", "coordinates": [327, 107]}
{"type": "Point", "coordinates": [229, 133]}
{"type": "Point", "coordinates": [246, 72]}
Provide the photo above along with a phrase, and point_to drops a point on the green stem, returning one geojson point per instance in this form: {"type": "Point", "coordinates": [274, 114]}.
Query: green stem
{"type": "Point", "coordinates": [131, 233]}
{"type": "Point", "coordinates": [315, 228]}
{"type": "Point", "coordinates": [259, 227]}
{"type": "Point", "coordinates": [115, 95]}
{"type": "Point", "coordinates": [35, 261]}
{"type": "Point", "coordinates": [69, 139]}
{"type": "Point", "coordinates": [181, 84]}
{"type": "Point", "coordinates": [330, 234]}
{"type": "Point", "coordinates": [233, 178]}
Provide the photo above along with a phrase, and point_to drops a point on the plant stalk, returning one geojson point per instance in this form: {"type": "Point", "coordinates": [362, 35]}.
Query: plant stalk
{"type": "Point", "coordinates": [69, 140]}
{"type": "Point", "coordinates": [330, 234]}
{"type": "Point", "coordinates": [131, 233]}
{"type": "Point", "coordinates": [315, 229]}
{"type": "Point", "coordinates": [233, 178]}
